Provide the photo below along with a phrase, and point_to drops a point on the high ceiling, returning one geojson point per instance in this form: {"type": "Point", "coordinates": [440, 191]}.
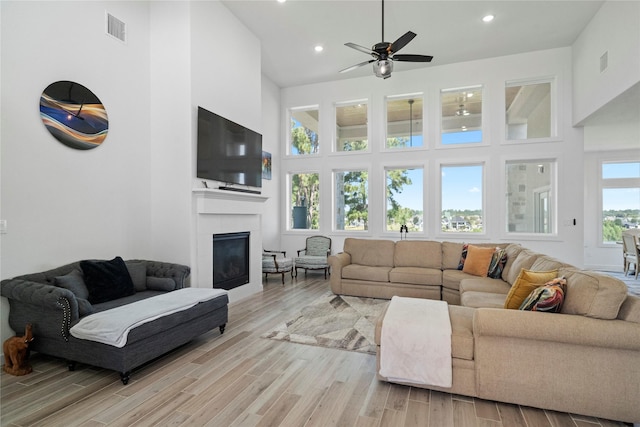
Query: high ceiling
{"type": "Point", "coordinates": [452, 31]}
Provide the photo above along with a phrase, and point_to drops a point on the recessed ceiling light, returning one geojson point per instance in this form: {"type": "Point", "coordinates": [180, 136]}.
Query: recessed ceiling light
{"type": "Point", "coordinates": [488, 18]}
{"type": "Point", "coordinates": [318, 48]}
{"type": "Point", "coordinates": [281, 1]}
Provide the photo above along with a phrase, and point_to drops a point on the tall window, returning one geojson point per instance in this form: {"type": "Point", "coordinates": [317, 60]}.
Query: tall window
{"type": "Point", "coordinates": [529, 110]}
{"type": "Point", "coordinates": [531, 189]}
{"type": "Point", "coordinates": [404, 199]}
{"type": "Point", "coordinates": [461, 115]}
{"type": "Point", "coordinates": [351, 200]}
{"type": "Point", "coordinates": [351, 126]}
{"type": "Point", "coordinates": [303, 131]}
{"type": "Point", "coordinates": [305, 201]}
{"type": "Point", "coordinates": [404, 122]}
{"type": "Point", "coordinates": [462, 198]}
{"type": "Point", "coordinates": [620, 199]}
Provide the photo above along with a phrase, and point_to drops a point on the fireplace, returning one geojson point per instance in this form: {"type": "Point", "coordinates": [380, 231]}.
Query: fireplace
{"type": "Point", "coordinates": [230, 260]}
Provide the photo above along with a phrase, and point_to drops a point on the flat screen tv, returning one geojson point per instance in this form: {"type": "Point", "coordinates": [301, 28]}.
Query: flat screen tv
{"type": "Point", "coordinates": [228, 152]}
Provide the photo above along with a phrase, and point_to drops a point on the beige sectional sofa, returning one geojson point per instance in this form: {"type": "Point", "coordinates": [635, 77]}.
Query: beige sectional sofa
{"type": "Point", "coordinates": [583, 360]}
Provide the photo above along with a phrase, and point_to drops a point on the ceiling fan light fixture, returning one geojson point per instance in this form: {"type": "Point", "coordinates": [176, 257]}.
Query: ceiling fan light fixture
{"type": "Point", "coordinates": [383, 68]}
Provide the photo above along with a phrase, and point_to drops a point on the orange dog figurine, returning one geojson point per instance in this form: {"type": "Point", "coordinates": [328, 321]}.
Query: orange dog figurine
{"type": "Point", "coordinates": [16, 353]}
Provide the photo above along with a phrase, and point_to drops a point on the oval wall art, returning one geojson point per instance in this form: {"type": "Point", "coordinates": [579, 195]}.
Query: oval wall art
{"type": "Point", "coordinates": [74, 115]}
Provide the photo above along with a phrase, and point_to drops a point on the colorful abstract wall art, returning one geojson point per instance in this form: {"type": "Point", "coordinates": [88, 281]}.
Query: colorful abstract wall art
{"type": "Point", "coordinates": [74, 115]}
{"type": "Point", "coordinates": [266, 165]}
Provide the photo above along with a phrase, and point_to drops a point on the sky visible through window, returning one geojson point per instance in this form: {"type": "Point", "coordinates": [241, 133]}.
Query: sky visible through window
{"type": "Point", "coordinates": [622, 198]}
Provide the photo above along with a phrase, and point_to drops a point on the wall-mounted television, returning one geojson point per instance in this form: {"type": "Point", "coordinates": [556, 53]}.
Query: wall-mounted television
{"type": "Point", "coordinates": [228, 152]}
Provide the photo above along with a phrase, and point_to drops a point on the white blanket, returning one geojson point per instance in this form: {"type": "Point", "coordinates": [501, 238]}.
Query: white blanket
{"type": "Point", "coordinates": [415, 343]}
{"type": "Point", "coordinates": [112, 326]}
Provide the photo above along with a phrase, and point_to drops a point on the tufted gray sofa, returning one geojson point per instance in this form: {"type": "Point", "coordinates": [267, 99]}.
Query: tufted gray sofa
{"type": "Point", "coordinates": [52, 310]}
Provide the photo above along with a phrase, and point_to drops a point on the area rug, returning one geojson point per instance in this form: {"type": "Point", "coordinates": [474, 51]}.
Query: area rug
{"type": "Point", "coordinates": [334, 321]}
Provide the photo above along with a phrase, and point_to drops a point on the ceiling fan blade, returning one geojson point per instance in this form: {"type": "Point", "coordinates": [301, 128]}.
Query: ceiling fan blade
{"type": "Point", "coordinates": [402, 41]}
{"type": "Point", "coordinates": [412, 58]}
{"type": "Point", "coordinates": [360, 48]}
{"type": "Point", "coordinates": [353, 67]}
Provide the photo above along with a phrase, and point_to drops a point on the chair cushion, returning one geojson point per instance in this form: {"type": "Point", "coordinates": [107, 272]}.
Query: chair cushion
{"type": "Point", "coordinates": [284, 264]}
{"type": "Point", "coordinates": [312, 261]}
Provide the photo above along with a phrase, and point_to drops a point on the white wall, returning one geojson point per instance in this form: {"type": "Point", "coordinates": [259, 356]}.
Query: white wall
{"type": "Point", "coordinates": [615, 29]}
{"type": "Point", "coordinates": [492, 73]}
{"type": "Point", "coordinates": [271, 143]}
{"type": "Point", "coordinates": [61, 204]}
{"type": "Point", "coordinates": [132, 196]}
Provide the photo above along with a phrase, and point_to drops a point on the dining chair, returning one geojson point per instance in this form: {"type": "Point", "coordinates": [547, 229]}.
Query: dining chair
{"type": "Point", "coordinates": [631, 253]}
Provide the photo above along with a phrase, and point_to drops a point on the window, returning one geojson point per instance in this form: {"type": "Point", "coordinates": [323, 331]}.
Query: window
{"type": "Point", "coordinates": [351, 200]}
{"type": "Point", "coordinates": [461, 115]}
{"type": "Point", "coordinates": [305, 200]}
{"type": "Point", "coordinates": [351, 127]}
{"type": "Point", "coordinates": [404, 199]}
{"type": "Point", "coordinates": [528, 110]}
{"type": "Point", "coordinates": [461, 198]}
{"type": "Point", "coordinates": [620, 199]}
{"type": "Point", "coordinates": [404, 122]}
{"type": "Point", "coordinates": [531, 188]}
{"type": "Point", "coordinates": [304, 131]}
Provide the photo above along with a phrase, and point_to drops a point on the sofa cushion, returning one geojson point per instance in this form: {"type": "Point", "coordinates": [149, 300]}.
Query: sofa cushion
{"type": "Point", "coordinates": [84, 307]}
{"type": "Point", "coordinates": [526, 282]}
{"type": "Point", "coordinates": [512, 251]}
{"type": "Point", "coordinates": [478, 260]}
{"type": "Point", "coordinates": [546, 263]}
{"type": "Point", "coordinates": [106, 280]}
{"type": "Point", "coordinates": [592, 294]}
{"type": "Point", "coordinates": [165, 284]}
{"type": "Point", "coordinates": [415, 253]}
{"type": "Point", "coordinates": [416, 275]}
{"type": "Point", "coordinates": [630, 309]}
{"type": "Point", "coordinates": [377, 253]}
{"type": "Point", "coordinates": [73, 281]}
{"type": "Point", "coordinates": [462, 346]}
{"type": "Point", "coordinates": [365, 272]}
{"type": "Point", "coordinates": [451, 254]}
{"type": "Point", "coordinates": [461, 332]}
{"type": "Point", "coordinates": [524, 260]}
{"type": "Point", "coordinates": [451, 278]}
{"type": "Point", "coordinates": [484, 284]}
{"type": "Point", "coordinates": [482, 300]}
{"type": "Point", "coordinates": [138, 273]}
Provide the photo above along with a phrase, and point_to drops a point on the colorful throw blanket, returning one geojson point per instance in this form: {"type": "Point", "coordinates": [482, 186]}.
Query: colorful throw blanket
{"type": "Point", "coordinates": [415, 344]}
{"type": "Point", "coordinates": [112, 326]}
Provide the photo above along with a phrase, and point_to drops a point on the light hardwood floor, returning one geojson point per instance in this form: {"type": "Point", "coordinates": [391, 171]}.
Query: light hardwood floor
{"type": "Point", "coordinates": [240, 379]}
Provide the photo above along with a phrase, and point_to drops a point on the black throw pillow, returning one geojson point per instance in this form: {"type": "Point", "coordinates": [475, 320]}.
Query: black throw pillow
{"type": "Point", "coordinates": [107, 280]}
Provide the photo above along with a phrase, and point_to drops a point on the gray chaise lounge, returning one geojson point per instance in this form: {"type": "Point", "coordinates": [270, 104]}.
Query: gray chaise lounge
{"type": "Point", "coordinates": [53, 310]}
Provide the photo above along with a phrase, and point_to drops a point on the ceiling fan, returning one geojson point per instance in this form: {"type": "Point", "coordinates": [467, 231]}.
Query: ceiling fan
{"type": "Point", "coordinates": [384, 53]}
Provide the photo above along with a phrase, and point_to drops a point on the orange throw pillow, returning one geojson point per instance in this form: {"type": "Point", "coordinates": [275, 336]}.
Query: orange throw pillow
{"type": "Point", "coordinates": [525, 283]}
{"type": "Point", "coordinates": [478, 260]}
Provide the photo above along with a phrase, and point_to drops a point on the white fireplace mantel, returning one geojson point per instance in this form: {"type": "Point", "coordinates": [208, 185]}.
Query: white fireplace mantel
{"type": "Point", "coordinates": [214, 201]}
{"type": "Point", "coordinates": [221, 211]}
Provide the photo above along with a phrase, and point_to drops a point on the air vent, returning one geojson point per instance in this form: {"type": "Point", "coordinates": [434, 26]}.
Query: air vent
{"type": "Point", "coordinates": [604, 61]}
{"type": "Point", "coordinates": [116, 28]}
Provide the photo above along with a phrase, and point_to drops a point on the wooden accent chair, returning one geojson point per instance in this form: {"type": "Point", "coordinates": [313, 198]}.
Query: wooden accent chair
{"type": "Point", "coordinates": [314, 255]}
{"type": "Point", "coordinates": [276, 262]}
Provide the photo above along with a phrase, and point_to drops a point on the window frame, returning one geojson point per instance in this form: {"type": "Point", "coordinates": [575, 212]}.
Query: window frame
{"type": "Point", "coordinates": [385, 113]}
{"type": "Point", "coordinates": [485, 132]}
{"type": "Point", "coordinates": [604, 183]}
{"type": "Point", "coordinates": [334, 207]}
{"type": "Point", "coordinates": [395, 166]}
{"type": "Point", "coordinates": [334, 139]}
{"type": "Point", "coordinates": [288, 139]}
{"type": "Point", "coordinates": [554, 159]}
{"type": "Point", "coordinates": [554, 109]}
{"type": "Point", "coordinates": [289, 205]}
{"type": "Point", "coordinates": [437, 221]}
